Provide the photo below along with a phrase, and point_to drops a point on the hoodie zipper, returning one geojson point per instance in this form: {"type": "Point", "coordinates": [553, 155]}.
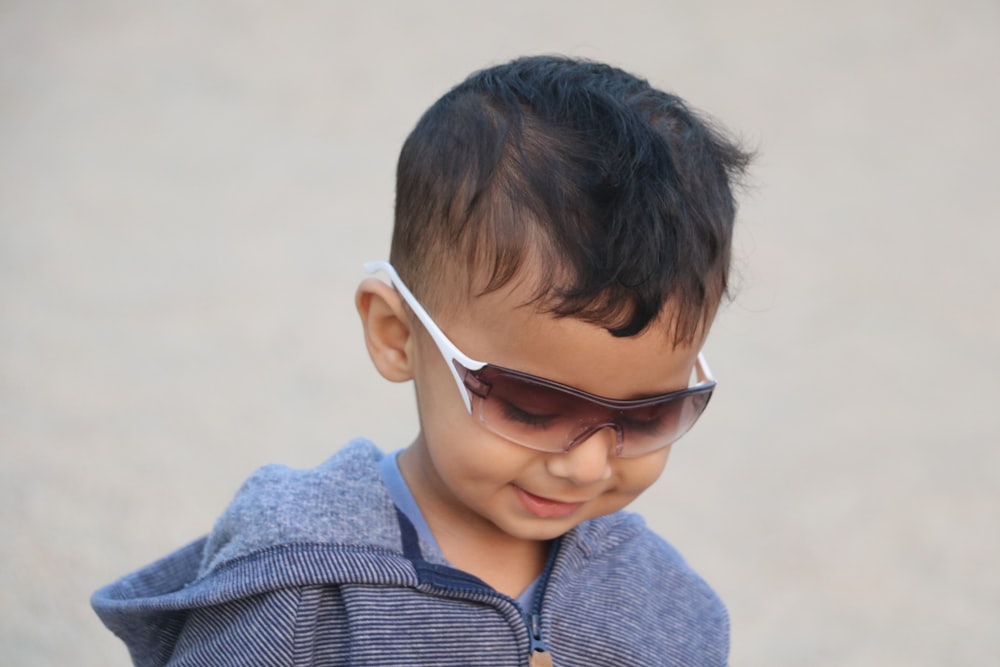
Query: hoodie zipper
{"type": "Point", "coordinates": [538, 654]}
{"type": "Point", "coordinates": [458, 581]}
{"type": "Point", "coordinates": [453, 581]}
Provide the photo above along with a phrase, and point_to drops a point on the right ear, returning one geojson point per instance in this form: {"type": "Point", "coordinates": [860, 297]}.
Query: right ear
{"type": "Point", "coordinates": [388, 334]}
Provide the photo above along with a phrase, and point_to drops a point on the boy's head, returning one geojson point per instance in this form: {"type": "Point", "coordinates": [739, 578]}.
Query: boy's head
{"type": "Point", "coordinates": [614, 195]}
{"type": "Point", "coordinates": [567, 230]}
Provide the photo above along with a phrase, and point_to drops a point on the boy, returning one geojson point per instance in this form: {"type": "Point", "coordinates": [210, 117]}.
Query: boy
{"type": "Point", "coordinates": [561, 245]}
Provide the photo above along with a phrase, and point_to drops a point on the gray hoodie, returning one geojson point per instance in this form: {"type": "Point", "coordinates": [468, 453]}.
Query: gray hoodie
{"type": "Point", "coordinates": [318, 567]}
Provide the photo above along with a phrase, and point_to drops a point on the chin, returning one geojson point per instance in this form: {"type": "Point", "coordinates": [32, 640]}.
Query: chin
{"type": "Point", "coordinates": [542, 530]}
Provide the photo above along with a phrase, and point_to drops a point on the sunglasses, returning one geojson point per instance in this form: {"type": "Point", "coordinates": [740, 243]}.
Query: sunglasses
{"type": "Point", "coordinates": [552, 417]}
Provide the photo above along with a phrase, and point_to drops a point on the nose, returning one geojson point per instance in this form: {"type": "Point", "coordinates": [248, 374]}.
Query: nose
{"type": "Point", "coordinates": [588, 460]}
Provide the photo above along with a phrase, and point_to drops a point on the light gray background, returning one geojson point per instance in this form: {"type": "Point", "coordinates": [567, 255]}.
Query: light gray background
{"type": "Point", "coordinates": [187, 190]}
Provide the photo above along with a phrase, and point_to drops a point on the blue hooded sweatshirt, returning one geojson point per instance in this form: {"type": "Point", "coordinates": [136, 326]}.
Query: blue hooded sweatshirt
{"type": "Point", "coordinates": [318, 567]}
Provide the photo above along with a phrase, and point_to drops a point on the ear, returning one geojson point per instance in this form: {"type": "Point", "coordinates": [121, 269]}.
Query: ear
{"type": "Point", "coordinates": [388, 334]}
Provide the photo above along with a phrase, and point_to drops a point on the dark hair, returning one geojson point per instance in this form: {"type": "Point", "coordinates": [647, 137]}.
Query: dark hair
{"type": "Point", "coordinates": [622, 194]}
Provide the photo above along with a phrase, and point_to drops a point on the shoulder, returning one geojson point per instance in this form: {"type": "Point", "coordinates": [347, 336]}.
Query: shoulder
{"type": "Point", "coordinates": [632, 577]}
{"type": "Point", "coordinates": [341, 501]}
{"type": "Point", "coordinates": [288, 542]}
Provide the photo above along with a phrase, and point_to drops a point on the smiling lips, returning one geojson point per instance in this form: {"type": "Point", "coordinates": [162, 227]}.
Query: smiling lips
{"type": "Point", "coordinates": [544, 507]}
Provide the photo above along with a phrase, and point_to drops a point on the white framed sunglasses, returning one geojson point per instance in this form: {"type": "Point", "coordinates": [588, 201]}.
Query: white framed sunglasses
{"type": "Point", "coordinates": [549, 416]}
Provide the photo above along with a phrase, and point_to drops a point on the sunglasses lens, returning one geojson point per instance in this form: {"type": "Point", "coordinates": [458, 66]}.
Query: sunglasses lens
{"type": "Point", "coordinates": [658, 425]}
{"type": "Point", "coordinates": [547, 418]}
{"type": "Point", "coordinates": [528, 413]}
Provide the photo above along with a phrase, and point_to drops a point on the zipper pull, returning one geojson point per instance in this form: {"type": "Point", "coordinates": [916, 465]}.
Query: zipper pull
{"type": "Point", "coordinates": [540, 659]}
{"type": "Point", "coordinates": [538, 655]}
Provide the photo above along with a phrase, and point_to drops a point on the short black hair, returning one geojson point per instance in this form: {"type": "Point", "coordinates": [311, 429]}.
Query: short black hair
{"type": "Point", "coordinates": [622, 193]}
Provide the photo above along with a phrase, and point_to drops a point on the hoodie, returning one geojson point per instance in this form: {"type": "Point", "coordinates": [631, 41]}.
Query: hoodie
{"type": "Point", "coordinates": [318, 567]}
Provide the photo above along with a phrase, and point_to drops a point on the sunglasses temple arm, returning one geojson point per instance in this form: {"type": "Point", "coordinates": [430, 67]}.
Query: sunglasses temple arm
{"type": "Point", "coordinates": [448, 349]}
{"type": "Point", "coordinates": [704, 370]}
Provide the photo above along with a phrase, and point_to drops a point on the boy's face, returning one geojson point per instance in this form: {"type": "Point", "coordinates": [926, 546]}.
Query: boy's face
{"type": "Point", "coordinates": [468, 478]}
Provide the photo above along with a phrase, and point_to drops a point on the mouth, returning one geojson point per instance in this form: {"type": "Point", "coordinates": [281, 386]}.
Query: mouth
{"type": "Point", "coordinates": [546, 508]}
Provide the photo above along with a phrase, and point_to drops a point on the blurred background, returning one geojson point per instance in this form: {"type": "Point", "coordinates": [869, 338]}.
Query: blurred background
{"type": "Point", "coordinates": [188, 189]}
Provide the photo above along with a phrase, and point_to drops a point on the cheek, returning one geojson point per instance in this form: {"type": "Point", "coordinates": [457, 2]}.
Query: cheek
{"type": "Point", "coordinates": [488, 460]}
{"type": "Point", "coordinates": [443, 416]}
{"type": "Point", "coordinates": [636, 475]}
{"type": "Point", "coordinates": [472, 461]}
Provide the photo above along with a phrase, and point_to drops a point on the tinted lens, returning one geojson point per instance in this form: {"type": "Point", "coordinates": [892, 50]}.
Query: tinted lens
{"type": "Point", "coordinates": [530, 413]}
{"type": "Point", "coordinates": [647, 429]}
{"type": "Point", "coordinates": [545, 416]}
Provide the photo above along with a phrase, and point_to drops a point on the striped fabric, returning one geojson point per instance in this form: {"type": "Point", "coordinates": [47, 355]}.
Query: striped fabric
{"type": "Point", "coordinates": [314, 568]}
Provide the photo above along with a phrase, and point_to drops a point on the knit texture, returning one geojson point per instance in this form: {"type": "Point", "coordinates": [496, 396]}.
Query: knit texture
{"type": "Point", "coordinates": [308, 568]}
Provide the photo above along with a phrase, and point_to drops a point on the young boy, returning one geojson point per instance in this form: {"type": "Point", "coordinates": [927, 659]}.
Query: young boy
{"type": "Point", "coordinates": [561, 244]}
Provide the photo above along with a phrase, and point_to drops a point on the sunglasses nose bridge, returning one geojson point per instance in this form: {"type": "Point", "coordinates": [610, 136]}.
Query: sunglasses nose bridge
{"type": "Point", "coordinates": [592, 430]}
